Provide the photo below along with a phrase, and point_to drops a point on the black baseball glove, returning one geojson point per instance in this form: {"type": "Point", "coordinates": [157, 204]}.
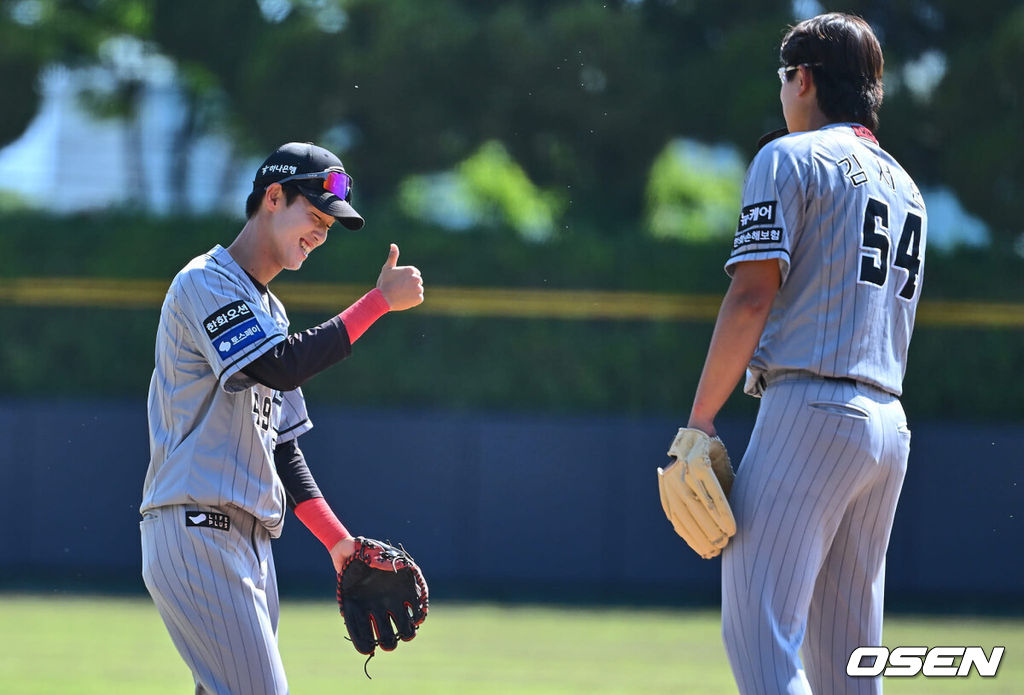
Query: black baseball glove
{"type": "Point", "coordinates": [382, 596]}
{"type": "Point", "coordinates": [768, 137]}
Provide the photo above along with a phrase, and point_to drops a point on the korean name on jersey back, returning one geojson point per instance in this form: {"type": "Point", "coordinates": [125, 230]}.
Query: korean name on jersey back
{"type": "Point", "coordinates": [232, 327]}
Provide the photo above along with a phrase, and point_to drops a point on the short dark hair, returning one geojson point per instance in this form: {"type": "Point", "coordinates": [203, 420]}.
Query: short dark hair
{"type": "Point", "coordinates": [252, 203]}
{"type": "Point", "coordinates": [845, 58]}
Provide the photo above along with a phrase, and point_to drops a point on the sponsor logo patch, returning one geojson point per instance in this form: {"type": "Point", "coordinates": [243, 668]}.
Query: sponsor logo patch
{"type": "Point", "coordinates": [228, 316]}
{"type": "Point", "coordinates": [208, 520]}
{"type": "Point", "coordinates": [757, 236]}
{"type": "Point", "coordinates": [238, 337]}
{"type": "Point", "coordinates": [756, 214]}
{"type": "Point", "coordinates": [279, 168]}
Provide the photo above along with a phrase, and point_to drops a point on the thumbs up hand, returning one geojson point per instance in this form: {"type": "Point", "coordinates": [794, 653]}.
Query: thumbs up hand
{"type": "Point", "coordinates": [401, 285]}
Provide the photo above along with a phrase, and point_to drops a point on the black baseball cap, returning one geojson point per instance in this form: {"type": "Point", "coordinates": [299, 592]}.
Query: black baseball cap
{"type": "Point", "coordinates": [306, 158]}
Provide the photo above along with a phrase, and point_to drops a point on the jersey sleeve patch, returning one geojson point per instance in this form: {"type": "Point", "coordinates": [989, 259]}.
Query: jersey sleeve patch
{"type": "Point", "coordinates": [770, 235]}
{"type": "Point", "coordinates": [227, 317]}
{"type": "Point", "coordinates": [232, 327]}
{"type": "Point", "coordinates": [756, 215]}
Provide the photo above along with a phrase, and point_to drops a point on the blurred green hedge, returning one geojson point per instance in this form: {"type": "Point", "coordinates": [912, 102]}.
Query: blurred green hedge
{"type": "Point", "coordinates": [127, 246]}
{"type": "Point", "coordinates": [417, 360]}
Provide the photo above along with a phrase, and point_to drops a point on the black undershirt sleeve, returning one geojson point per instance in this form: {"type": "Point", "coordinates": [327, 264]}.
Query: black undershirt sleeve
{"type": "Point", "coordinates": [295, 474]}
{"type": "Point", "coordinates": [289, 364]}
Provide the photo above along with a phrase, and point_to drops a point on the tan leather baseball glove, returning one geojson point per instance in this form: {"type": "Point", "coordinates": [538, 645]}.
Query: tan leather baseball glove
{"type": "Point", "coordinates": [695, 489]}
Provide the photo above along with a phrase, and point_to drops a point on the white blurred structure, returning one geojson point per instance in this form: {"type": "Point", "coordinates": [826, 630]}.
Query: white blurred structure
{"type": "Point", "coordinates": [68, 160]}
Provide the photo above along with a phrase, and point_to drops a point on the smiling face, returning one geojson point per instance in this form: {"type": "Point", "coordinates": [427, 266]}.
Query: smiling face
{"type": "Point", "coordinates": [296, 228]}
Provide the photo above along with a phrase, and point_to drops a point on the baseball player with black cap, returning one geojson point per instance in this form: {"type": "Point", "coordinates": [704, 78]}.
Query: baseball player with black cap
{"type": "Point", "coordinates": [225, 413]}
{"type": "Point", "coordinates": [827, 265]}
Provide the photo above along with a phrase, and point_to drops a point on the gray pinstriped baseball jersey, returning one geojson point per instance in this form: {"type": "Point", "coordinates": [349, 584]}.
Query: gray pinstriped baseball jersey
{"type": "Point", "coordinates": [848, 227]}
{"type": "Point", "coordinates": [212, 429]}
{"type": "Point", "coordinates": [816, 492]}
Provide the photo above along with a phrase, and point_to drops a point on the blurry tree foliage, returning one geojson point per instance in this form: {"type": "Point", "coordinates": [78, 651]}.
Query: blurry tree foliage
{"type": "Point", "coordinates": [36, 33]}
{"type": "Point", "coordinates": [583, 95]}
{"type": "Point", "coordinates": [692, 191]}
{"type": "Point", "coordinates": [487, 189]}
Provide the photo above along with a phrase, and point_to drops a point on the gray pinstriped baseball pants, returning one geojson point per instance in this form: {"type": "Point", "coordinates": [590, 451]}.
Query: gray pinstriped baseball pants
{"type": "Point", "coordinates": [814, 501]}
{"type": "Point", "coordinates": [217, 594]}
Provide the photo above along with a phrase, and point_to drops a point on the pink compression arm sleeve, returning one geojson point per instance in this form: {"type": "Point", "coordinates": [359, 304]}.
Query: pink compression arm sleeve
{"type": "Point", "coordinates": [318, 518]}
{"type": "Point", "coordinates": [361, 315]}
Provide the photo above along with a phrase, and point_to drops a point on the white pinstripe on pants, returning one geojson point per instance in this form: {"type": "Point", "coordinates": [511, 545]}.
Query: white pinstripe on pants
{"type": "Point", "coordinates": [217, 594]}
{"type": "Point", "coordinates": [814, 501]}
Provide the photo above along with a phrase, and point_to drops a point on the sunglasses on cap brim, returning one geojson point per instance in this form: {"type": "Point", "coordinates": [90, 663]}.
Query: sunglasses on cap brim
{"type": "Point", "coordinates": [337, 182]}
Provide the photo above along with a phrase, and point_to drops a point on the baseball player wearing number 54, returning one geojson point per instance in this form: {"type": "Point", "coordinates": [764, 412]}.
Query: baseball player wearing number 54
{"type": "Point", "coordinates": [826, 267]}
{"type": "Point", "coordinates": [225, 413]}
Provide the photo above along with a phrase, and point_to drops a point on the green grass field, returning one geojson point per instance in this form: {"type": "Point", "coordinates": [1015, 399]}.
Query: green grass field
{"type": "Point", "coordinates": [66, 644]}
